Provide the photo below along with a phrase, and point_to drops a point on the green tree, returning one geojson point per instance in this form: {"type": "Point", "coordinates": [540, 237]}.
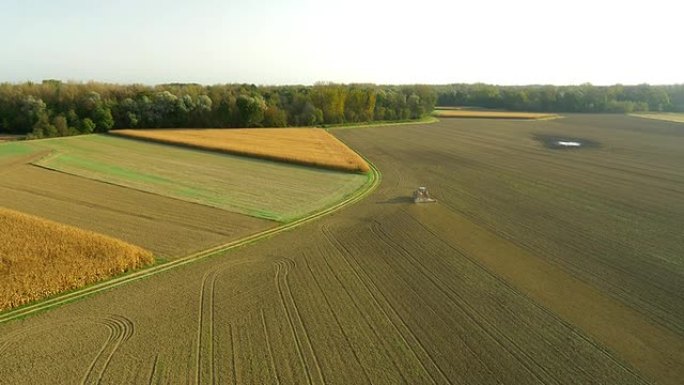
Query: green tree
{"type": "Point", "coordinates": [251, 110]}
{"type": "Point", "coordinates": [87, 126]}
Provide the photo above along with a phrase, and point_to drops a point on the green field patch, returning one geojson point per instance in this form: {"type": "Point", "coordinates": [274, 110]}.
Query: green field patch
{"type": "Point", "coordinates": [11, 149]}
{"type": "Point", "coordinates": [62, 161]}
{"type": "Point", "coordinates": [263, 189]}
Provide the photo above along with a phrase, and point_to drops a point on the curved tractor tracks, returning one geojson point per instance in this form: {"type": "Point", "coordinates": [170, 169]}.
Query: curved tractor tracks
{"type": "Point", "coordinates": [374, 178]}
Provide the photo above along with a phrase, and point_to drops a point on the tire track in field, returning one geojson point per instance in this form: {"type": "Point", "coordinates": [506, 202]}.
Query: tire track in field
{"type": "Point", "coordinates": [301, 337]}
{"type": "Point", "coordinates": [353, 298]}
{"type": "Point", "coordinates": [206, 304]}
{"type": "Point", "coordinates": [206, 314]}
{"type": "Point", "coordinates": [270, 349]}
{"type": "Point", "coordinates": [492, 332]}
{"type": "Point", "coordinates": [233, 354]}
{"type": "Point", "coordinates": [368, 285]}
{"type": "Point", "coordinates": [121, 329]}
{"type": "Point", "coordinates": [338, 322]}
{"type": "Point", "coordinates": [153, 372]}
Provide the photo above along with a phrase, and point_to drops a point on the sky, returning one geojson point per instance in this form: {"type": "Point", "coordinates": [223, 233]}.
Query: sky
{"type": "Point", "coordinates": [361, 41]}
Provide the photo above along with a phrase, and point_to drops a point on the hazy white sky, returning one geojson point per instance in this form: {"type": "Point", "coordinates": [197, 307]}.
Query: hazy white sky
{"type": "Point", "coordinates": [304, 41]}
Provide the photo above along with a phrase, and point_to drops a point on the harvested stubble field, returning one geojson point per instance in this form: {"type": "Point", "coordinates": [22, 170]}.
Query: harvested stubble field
{"type": "Point", "coordinates": [305, 146]}
{"type": "Point", "coordinates": [536, 266]}
{"type": "Point", "coordinates": [258, 188]}
{"type": "Point", "coordinates": [668, 117]}
{"type": "Point", "coordinates": [39, 258]}
{"type": "Point", "coordinates": [484, 114]}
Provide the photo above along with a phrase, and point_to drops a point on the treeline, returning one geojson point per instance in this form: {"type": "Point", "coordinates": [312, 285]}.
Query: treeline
{"type": "Point", "coordinates": [55, 108]}
{"type": "Point", "coordinates": [582, 98]}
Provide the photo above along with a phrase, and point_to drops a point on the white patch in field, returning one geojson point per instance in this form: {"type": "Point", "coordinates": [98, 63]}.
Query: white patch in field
{"type": "Point", "coordinates": [568, 144]}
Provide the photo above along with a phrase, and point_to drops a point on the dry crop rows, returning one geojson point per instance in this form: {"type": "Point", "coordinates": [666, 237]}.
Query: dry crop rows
{"type": "Point", "coordinates": [306, 146]}
{"type": "Point", "coordinates": [39, 258]}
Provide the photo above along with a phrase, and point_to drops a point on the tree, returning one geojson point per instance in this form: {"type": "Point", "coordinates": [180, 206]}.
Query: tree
{"type": "Point", "coordinates": [330, 99]}
{"type": "Point", "coordinates": [87, 126]}
{"type": "Point", "coordinates": [97, 107]}
{"type": "Point", "coordinates": [251, 110]}
{"type": "Point", "coordinates": [62, 127]}
{"type": "Point", "coordinates": [414, 106]}
{"type": "Point", "coordinates": [275, 117]}
{"type": "Point", "coordinates": [102, 116]}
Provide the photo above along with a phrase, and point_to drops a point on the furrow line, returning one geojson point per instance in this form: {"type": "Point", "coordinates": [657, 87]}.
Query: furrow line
{"type": "Point", "coordinates": [270, 349]}
{"type": "Point", "coordinates": [200, 326]}
{"type": "Point", "coordinates": [338, 322]}
{"type": "Point", "coordinates": [545, 310]}
{"type": "Point", "coordinates": [514, 350]}
{"type": "Point", "coordinates": [233, 354]}
{"type": "Point", "coordinates": [288, 263]}
{"type": "Point", "coordinates": [346, 253]}
{"type": "Point", "coordinates": [153, 372]}
{"type": "Point", "coordinates": [443, 319]}
{"type": "Point", "coordinates": [363, 313]}
{"type": "Point", "coordinates": [297, 341]}
{"type": "Point", "coordinates": [212, 312]}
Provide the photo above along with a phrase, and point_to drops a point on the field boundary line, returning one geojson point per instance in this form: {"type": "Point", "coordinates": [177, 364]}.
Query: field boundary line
{"type": "Point", "coordinates": [374, 178]}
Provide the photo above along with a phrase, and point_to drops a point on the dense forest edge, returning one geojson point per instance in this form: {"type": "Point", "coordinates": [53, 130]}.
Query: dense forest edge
{"type": "Point", "coordinates": [55, 108]}
{"type": "Point", "coordinates": [549, 98]}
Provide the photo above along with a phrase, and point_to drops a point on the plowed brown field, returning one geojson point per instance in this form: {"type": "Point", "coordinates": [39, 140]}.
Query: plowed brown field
{"type": "Point", "coordinates": [536, 266]}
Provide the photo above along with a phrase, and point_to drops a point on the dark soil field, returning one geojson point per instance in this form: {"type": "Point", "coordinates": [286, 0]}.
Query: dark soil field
{"type": "Point", "coordinates": [535, 266]}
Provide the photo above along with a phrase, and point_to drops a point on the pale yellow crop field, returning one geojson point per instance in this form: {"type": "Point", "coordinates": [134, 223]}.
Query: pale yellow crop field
{"type": "Point", "coordinates": [306, 146]}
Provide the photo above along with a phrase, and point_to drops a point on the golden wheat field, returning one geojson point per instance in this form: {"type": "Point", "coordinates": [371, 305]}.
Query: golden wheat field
{"type": "Point", "coordinates": [39, 258]}
{"type": "Point", "coordinates": [477, 114]}
{"type": "Point", "coordinates": [306, 146]}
